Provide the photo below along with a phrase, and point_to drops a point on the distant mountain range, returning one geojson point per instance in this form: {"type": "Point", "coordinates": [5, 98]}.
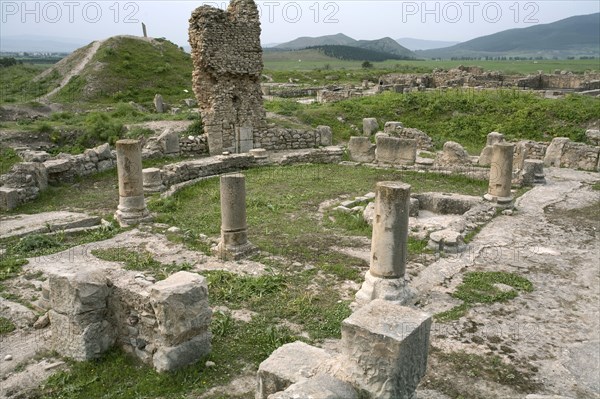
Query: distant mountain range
{"type": "Point", "coordinates": [574, 36]}
{"type": "Point", "coordinates": [420, 44]}
{"type": "Point", "coordinates": [384, 45]}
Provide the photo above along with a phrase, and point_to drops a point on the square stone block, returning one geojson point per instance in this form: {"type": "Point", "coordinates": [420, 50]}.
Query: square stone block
{"type": "Point", "coordinates": [78, 293]}
{"type": "Point", "coordinates": [9, 198]}
{"type": "Point", "coordinates": [386, 347]}
{"type": "Point", "coordinates": [169, 358]}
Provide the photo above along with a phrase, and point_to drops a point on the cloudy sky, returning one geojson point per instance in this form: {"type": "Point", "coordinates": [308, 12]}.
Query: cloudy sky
{"type": "Point", "coordinates": [84, 21]}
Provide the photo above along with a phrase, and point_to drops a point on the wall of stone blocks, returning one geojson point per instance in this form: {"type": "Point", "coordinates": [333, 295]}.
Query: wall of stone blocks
{"type": "Point", "coordinates": [164, 324]}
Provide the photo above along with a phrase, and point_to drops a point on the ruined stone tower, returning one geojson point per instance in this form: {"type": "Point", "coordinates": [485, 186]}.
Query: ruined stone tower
{"type": "Point", "coordinates": [227, 59]}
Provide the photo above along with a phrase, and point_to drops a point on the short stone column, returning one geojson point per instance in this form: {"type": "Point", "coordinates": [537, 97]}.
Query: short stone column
{"type": "Point", "coordinates": [389, 245]}
{"type": "Point", "coordinates": [152, 178]}
{"type": "Point", "coordinates": [533, 172]}
{"type": "Point", "coordinates": [132, 207]}
{"type": "Point", "coordinates": [234, 242]}
{"type": "Point", "coordinates": [501, 174]}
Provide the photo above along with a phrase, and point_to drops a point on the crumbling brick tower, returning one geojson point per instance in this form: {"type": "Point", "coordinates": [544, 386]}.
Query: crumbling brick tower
{"type": "Point", "coordinates": [227, 59]}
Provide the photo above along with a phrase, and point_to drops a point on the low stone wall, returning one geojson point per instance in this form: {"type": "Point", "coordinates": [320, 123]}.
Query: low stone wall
{"type": "Point", "coordinates": [164, 324]}
{"type": "Point", "coordinates": [194, 145]}
{"type": "Point", "coordinates": [26, 180]}
{"type": "Point", "coordinates": [564, 153]}
{"type": "Point", "coordinates": [278, 139]}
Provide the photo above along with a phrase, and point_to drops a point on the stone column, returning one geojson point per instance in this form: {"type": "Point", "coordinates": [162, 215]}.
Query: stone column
{"type": "Point", "coordinates": [389, 245]}
{"type": "Point", "coordinates": [132, 207]}
{"type": "Point", "coordinates": [234, 242]}
{"type": "Point", "coordinates": [501, 174]}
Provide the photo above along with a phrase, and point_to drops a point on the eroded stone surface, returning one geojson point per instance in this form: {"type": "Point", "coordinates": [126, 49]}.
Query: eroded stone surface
{"type": "Point", "coordinates": [20, 225]}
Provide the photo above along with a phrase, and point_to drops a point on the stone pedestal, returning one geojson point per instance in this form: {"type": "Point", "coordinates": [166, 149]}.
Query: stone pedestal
{"type": "Point", "coordinates": [132, 207]}
{"type": "Point", "coordinates": [501, 174]}
{"type": "Point", "coordinates": [234, 242]}
{"type": "Point", "coordinates": [533, 172]}
{"type": "Point", "coordinates": [152, 180]}
{"type": "Point", "coordinates": [389, 244]}
{"type": "Point", "coordinates": [384, 347]}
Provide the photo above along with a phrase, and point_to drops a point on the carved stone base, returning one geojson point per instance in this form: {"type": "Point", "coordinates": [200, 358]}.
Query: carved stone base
{"type": "Point", "coordinates": [391, 289]}
{"type": "Point", "coordinates": [234, 252]}
{"type": "Point", "coordinates": [131, 211]}
{"type": "Point", "coordinates": [504, 202]}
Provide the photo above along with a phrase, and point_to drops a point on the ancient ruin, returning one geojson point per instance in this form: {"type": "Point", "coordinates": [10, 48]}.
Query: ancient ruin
{"type": "Point", "coordinates": [385, 278]}
{"type": "Point", "coordinates": [500, 181]}
{"type": "Point", "coordinates": [227, 58]}
{"type": "Point", "coordinates": [234, 242]}
{"type": "Point", "coordinates": [132, 205]}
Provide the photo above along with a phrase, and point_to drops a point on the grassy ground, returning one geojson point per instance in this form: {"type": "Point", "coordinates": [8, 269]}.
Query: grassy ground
{"type": "Point", "coordinates": [8, 157]}
{"type": "Point", "coordinates": [17, 85]}
{"type": "Point", "coordinates": [463, 116]}
{"type": "Point", "coordinates": [299, 297]}
{"type": "Point", "coordinates": [307, 60]}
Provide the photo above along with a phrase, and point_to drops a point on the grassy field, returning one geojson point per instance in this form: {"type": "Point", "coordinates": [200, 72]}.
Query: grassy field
{"type": "Point", "coordinates": [17, 84]}
{"type": "Point", "coordinates": [298, 298]}
{"type": "Point", "coordinates": [307, 60]}
{"type": "Point", "coordinates": [462, 116]}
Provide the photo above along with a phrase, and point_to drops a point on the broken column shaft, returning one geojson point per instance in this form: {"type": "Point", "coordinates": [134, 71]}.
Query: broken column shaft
{"type": "Point", "coordinates": [501, 174]}
{"type": "Point", "coordinates": [132, 207]}
{"type": "Point", "coordinates": [234, 242]}
{"type": "Point", "coordinates": [385, 278]}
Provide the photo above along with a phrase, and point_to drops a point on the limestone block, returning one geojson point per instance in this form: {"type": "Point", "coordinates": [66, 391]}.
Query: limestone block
{"type": "Point", "coordinates": [34, 156]}
{"type": "Point", "coordinates": [386, 346]}
{"type": "Point", "coordinates": [287, 365]}
{"type": "Point", "coordinates": [27, 174]}
{"type": "Point", "coordinates": [77, 293]}
{"type": "Point", "coordinates": [447, 240]}
{"type": "Point", "coordinates": [453, 154]}
{"type": "Point", "coordinates": [169, 142]}
{"type": "Point", "coordinates": [494, 138]}
{"type": "Point", "coordinates": [180, 304]}
{"type": "Point", "coordinates": [319, 387]}
{"type": "Point", "coordinates": [579, 156]}
{"type": "Point", "coordinates": [394, 150]}
{"type": "Point", "coordinates": [521, 153]}
{"type": "Point", "coordinates": [9, 198]}
{"type": "Point", "coordinates": [325, 135]}
{"type": "Point", "coordinates": [103, 152]}
{"type": "Point", "coordinates": [392, 127]}
{"type": "Point", "coordinates": [80, 341]}
{"type": "Point", "coordinates": [554, 151]}
{"type": "Point", "coordinates": [361, 149]}
{"type": "Point", "coordinates": [169, 358]}
{"type": "Point", "coordinates": [485, 157]}
{"type": "Point", "coordinates": [152, 180]}
{"type": "Point", "coordinates": [159, 105]}
{"type": "Point", "coordinates": [593, 136]}
{"type": "Point", "coordinates": [54, 166]}
{"type": "Point", "coordinates": [370, 126]}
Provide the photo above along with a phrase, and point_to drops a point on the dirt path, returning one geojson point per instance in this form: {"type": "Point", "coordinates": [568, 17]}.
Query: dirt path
{"type": "Point", "coordinates": [551, 334]}
{"type": "Point", "coordinates": [73, 72]}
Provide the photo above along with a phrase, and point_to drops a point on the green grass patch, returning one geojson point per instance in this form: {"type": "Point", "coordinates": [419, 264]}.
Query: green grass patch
{"type": "Point", "coordinates": [462, 116]}
{"type": "Point", "coordinates": [6, 326]}
{"type": "Point", "coordinates": [140, 261]}
{"type": "Point", "coordinates": [17, 84]}
{"type": "Point", "coordinates": [478, 288]}
{"type": "Point", "coordinates": [596, 186]}
{"type": "Point", "coordinates": [8, 157]}
{"type": "Point", "coordinates": [477, 367]}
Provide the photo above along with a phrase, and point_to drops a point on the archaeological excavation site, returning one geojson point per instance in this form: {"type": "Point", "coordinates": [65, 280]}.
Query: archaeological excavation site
{"type": "Point", "coordinates": [225, 229]}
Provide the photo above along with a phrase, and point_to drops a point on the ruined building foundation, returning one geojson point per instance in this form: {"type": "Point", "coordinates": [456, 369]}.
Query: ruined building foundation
{"type": "Point", "coordinates": [234, 242]}
{"type": "Point", "coordinates": [227, 58]}
{"type": "Point", "coordinates": [132, 206]}
{"type": "Point", "coordinates": [389, 245]}
{"type": "Point", "coordinates": [501, 174]}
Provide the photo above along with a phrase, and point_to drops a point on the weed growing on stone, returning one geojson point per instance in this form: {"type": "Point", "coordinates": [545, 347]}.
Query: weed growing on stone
{"type": "Point", "coordinates": [481, 288]}
{"type": "Point", "coordinates": [6, 326]}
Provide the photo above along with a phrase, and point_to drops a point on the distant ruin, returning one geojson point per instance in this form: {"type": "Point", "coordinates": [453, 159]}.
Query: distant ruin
{"type": "Point", "coordinates": [227, 58]}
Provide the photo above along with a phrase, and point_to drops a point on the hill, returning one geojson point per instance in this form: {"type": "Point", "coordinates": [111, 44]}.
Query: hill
{"type": "Point", "coordinates": [123, 68]}
{"type": "Point", "coordinates": [304, 42]}
{"type": "Point", "coordinates": [358, 53]}
{"type": "Point", "coordinates": [420, 44]}
{"type": "Point", "coordinates": [386, 45]}
{"type": "Point", "coordinates": [574, 36]}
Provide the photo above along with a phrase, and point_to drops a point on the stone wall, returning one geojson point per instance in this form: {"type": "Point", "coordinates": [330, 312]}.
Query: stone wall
{"type": "Point", "coordinates": [227, 58]}
{"type": "Point", "coordinates": [278, 138]}
{"type": "Point", "coordinates": [164, 324]}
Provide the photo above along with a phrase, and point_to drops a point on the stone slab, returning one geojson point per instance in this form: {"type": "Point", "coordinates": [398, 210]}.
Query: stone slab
{"type": "Point", "coordinates": [319, 387]}
{"type": "Point", "coordinates": [20, 225]}
{"type": "Point", "coordinates": [171, 358]}
{"type": "Point", "coordinates": [288, 365]}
